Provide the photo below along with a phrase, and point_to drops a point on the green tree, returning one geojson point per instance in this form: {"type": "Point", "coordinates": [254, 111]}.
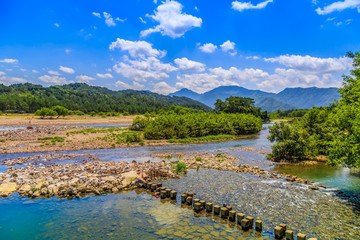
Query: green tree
{"type": "Point", "coordinates": [61, 111]}
{"type": "Point", "coordinates": [345, 148]}
{"type": "Point", "coordinates": [46, 112]}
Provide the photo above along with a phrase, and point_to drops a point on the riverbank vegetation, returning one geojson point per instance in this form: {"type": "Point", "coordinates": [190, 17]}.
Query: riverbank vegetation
{"type": "Point", "coordinates": [332, 131]}
{"type": "Point", "coordinates": [194, 125]}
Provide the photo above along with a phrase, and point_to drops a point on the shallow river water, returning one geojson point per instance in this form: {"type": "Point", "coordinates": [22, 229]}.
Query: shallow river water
{"type": "Point", "coordinates": [139, 215]}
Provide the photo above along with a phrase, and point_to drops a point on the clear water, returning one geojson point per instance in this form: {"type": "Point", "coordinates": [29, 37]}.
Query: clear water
{"type": "Point", "coordinates": [138, 215]}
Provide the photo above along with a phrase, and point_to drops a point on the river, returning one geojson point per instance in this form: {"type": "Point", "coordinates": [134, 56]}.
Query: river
{"type": "Point", "coordinates": [137, 214]}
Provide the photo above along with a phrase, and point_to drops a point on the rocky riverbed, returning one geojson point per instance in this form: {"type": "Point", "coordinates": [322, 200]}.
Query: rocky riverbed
{"type": "Point", "coordinates": [79, 179]}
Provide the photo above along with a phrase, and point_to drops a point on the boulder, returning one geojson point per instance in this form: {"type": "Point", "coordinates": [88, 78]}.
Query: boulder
{"type": "Point", "coordinates": [8, 187]}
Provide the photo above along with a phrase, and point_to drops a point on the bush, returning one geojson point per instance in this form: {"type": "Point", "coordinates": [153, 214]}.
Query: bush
{"type": "Point", "coordinates": [60, 110]}
{"type": "Point", "coordinates": [46, 112]}
{"type": "Point", "coordinates": [79, 113]}
{"type": "Point", "coordinates": [192, 125]}
{"type": "Point", "coordinates": [139, 123]}
{"type": "Point", "coordinates": [180, 168]}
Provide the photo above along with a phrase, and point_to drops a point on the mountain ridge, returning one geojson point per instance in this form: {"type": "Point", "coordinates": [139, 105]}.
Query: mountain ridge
{"type": "Point", "coordinates": [289, 98]}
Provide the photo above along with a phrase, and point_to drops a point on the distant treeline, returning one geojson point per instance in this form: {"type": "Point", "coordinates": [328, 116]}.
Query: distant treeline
{"type": "Point", "coordinates": [80, 96]}
{"type": "Point", "coordinates": [294, 113]}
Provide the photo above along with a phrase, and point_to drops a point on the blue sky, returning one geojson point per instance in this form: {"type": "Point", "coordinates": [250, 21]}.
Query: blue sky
{"type": "Point", "coordinates": [164, 46]}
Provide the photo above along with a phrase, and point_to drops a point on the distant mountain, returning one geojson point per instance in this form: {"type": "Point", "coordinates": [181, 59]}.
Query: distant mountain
{"type": "Point", "coordinates": [289, 98]}
{"type": "Point", "coordinates": [305, 98]}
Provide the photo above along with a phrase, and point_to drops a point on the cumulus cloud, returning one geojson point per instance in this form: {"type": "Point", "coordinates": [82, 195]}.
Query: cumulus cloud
{"type": "Point", "coordinates": [84, 78]}
{"type": "Point", "coordinates": [109, 20]}
{"type": "Point", "coordinates": [67, 69]}
{"type": "Point", "coordinates": [105, 75]}
{"type": "Point", "coordinates": [241, 6]}
{"type": "Point", "coordinates": [53, 79]}
{"type": "Point", "coordinates": [339, 6]}
{"type": "Point", "coordinates": [201, 82]}
{"type": "Point", "coordinates": [53, 72]}
{"type": "Point", "coordinates": [172, 22]}
{"type": "Point", "coordinates": [123, 85]}
{"type": "Point", "coordinates": [56, 25]}
{"type": "Point", "coordinates": [208, 48]}
{"type": "Point", "coordinates": [10, 80]}
{"type": "Point", "coordinates": [229, 47]}
{"type": "Point", "coordinates": [120, 20]}
{"type": "Point", "coordinates": [137, 48]}
{"type": "Point", "coordinates": [239, 75]}
{"type": "Point", "coordinates": [142, 70]}
{"type": "Point", "coordinates": [189, 65]}
{"type": "Point", "coordinates": [35, 71]}
{"type": "Point", "coordinates": [96, 14]}
{"type": "Point", "coordinates": [313, 64]}
{"type": "Point", "coordinates": [283, 78]}
{"type": "Point", "coordinates": [163, 88]}
{"type": "Point", "coordinates": [9, 60]}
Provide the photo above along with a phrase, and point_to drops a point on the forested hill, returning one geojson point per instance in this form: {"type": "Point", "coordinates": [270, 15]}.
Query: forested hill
{"type": "Point", "coordinates": [289, 98]}
{"type": "Point", "coordinates": [80, 96]}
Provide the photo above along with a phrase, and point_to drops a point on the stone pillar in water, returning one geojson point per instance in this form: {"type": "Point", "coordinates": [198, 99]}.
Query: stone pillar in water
{"type": "Point", "coordinates": [216, 210]}
{"type": "Point", "coordinates": [209, 207]}
{"type": "Point", "coordinates": [232, 215]}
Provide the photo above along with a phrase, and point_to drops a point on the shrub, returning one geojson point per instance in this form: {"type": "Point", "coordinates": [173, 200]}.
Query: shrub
{"type": "Point", "coordinates": [180, 168]}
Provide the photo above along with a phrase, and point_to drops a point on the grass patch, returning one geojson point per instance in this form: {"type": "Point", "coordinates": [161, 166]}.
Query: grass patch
{"type": "Point", "coordinates": [202, 139]}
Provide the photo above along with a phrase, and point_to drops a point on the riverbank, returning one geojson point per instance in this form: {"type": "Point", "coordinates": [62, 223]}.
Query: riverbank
{"type": "Point", "coordinates": [65, 138]}
{"type": "Point", "coordinates": [32, 120]}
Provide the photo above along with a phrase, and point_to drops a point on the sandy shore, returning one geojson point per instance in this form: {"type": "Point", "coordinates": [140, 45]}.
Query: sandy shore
{"type": "Point", "coordinates": [31, 120]}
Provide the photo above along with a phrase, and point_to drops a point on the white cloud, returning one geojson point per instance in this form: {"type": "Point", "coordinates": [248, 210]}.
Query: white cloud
{"type": "Point", "coordinates": [9, 60]}
{"type": "Point", "coordinates": [208, 48]}
{"type": "Point", "coordinates": [54, 79]}
{"type": "Point", "coordinates": [137, 48]}
{"type": "Point", "coordinates": [142, 70]}
{"type": "Point", "coordinates": [53, 72]}
{"type": "Point", "coordinates": [241, 6]}
{"type": "Point", "coordinates": [109, 20]}
{"type": "Point", "coordinates": [163, 88]}
{"type": "Point", "coordinates": [123, 85]}
{"type": "Point", "coordinates": [105, 75]}
{"type": "Point", "coordinates": [96, 14]}
{"type": "Point", "coordinates": [189, 65]}
{"type": "Point", "coordinates": [2, 73]}
{"type": "Point", "coordinates": [84, 78]}
{"type": "Point", "coordinates": [339, 6]}
{"type": "Point", "coordinates": [11, 80]}
{"type": "Point", "coordinates": [253, 57]}
{"type": "Point", "coordinates": [35, 71]}
{"type": "Point", "coordinates": [56, 25]}
{"type": "Point", "coordinates": [23, 69]}
{"type": "Point", "coordinates": [313, 64]}
{"type": "Point", "coordinates": [142, 20]}
{"type": "Point", "coordinates": [201, 82]}
{"type": "Point", "coordinates": [67, 50]}
{"type": "Point", "coordinates": [172, 22]}
{"type": "Point", "coordinates": [67, 69]}
{"type": "Point", "coordinates": [120, 20]}
{"type": "Point", "coordinates": [283, 78]}
{"type": "Point", "coordinates": [229, 47]}
{"type": "Point", "coordinates": [238, 75]}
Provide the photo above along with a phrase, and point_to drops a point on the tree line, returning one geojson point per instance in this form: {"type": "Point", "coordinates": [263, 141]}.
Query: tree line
{"type": "Point", "coordinates": [82, 97]}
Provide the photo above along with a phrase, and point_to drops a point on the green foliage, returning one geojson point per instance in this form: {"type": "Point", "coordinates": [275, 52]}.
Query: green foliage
{"type": "Point", "coordinates": [60, 110]}
{"type": "Point", "coordinates": [202, 139]}
{"type": "Point", "coordinates": [294, 113]}
{"type": "Point", "coordinates": [46, 112]}
{"type": "Point", "coordinates": [34, 189]}
{"type": "Point", "coordinates": [240, 105]}
{"type": "Point", "coordinates": [193, 125]}
{"type": "Point", "coordinates": [290, 142]}
{"type": "Point", "coordinates": [80, 96]}
{"type": "Point", "coordinates": [78, 112]}
{"type": "Point", "coordinates": [199, 159]}
{"type": "Point", "coordinates": [333, 131]}
{"type": "Point", "coordinates": [53, 139]}
{"type": "Point", "coordinates": [180, 168]}
{"type": "Point", "coordinates": [139, 123]}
